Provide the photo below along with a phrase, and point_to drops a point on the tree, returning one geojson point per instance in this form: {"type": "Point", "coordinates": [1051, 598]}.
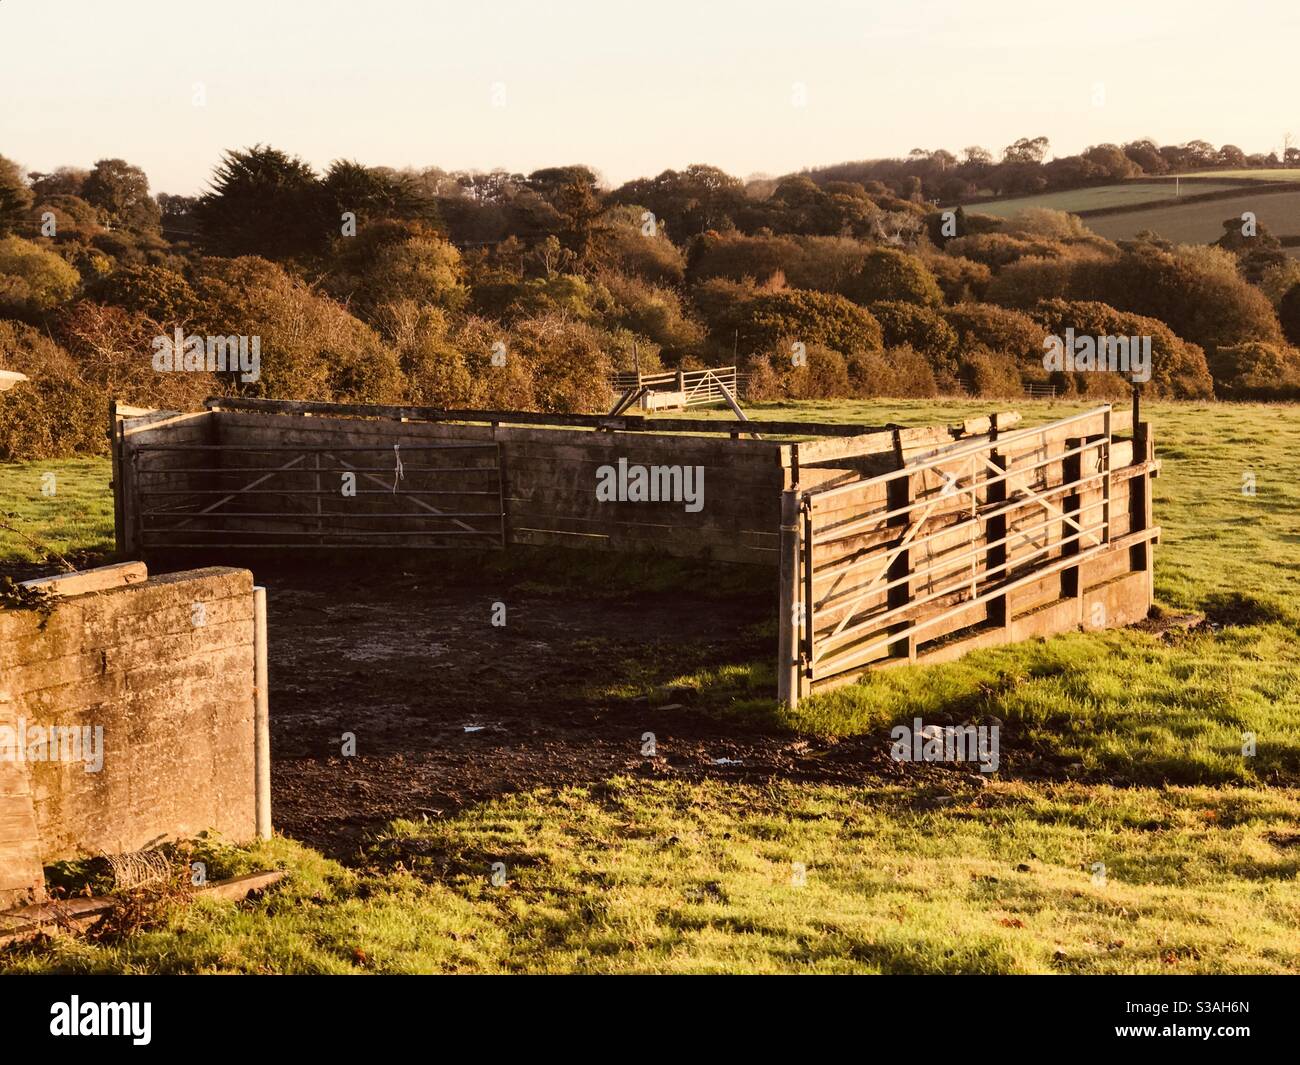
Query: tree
{"type": "Point", "coordinates": [1026, 150]}
{"type": "Point", "coordinates": [375, 193]}
{"type": "Point", "coordinates": [263, 202]}
{"type": "Point", "coordinates": [1146, 155]}
{"type": "Point", "coordinates": [1231, 155]}
{"type": "Point", "coordinates": [121, 191]}
{"type": "Point", "coordinates": [689, 201]}
{"type": "Point", "coordinates": [177, 215]}
{"type": "Point", "coordinates": [15, 196]}
{"type": "Point", "coordinates": [65, 181]}
{"type": "Point", "coordinates": [1110, 163]}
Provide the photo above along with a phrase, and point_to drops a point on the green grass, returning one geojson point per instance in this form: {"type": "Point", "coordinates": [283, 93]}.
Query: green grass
{"type": "Point", "coordinates": [76, 518]}
{"type": "Point", "coordinates": [1125, 705]}
{"type": "Point", "coordinates": [643, 877]}
{"type": "Point", "coordinates": [639, 876]}
{"type": "Point", "coordinates": [1274, 174]}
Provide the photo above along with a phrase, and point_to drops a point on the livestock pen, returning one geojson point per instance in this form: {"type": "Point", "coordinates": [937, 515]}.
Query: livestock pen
{"type": "Point", "coordinates": [888, 544]}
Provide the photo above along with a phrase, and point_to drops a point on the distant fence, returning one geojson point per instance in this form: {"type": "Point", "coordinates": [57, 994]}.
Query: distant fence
{"type": "Point", "coordinates": [1037, 391]}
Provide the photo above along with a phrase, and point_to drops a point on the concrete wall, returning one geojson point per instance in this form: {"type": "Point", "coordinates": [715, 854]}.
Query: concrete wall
{"type": "Point", "coordinates": [174, 699]}
{"type": "Point", "coordinates": [547, 486]}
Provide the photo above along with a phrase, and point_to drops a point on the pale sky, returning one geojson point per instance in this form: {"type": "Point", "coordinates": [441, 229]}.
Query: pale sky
{"type": "Point", "coordinates": [630, 88]}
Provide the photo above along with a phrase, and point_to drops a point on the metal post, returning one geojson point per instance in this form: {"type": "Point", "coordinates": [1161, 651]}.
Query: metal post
{"type": "Point", "coordinates": [787, 653]}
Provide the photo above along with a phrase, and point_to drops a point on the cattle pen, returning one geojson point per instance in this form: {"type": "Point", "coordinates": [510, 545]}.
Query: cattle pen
{"type": "Point", "coordinates": [889, 545]}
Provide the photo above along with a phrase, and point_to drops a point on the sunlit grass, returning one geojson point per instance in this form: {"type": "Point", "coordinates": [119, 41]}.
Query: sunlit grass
{"type": "Point", "coordinates": [641, 877]}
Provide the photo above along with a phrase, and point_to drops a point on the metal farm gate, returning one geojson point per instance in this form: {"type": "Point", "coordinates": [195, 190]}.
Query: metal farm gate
{"type": "Point", "coordinates": [388, 495]}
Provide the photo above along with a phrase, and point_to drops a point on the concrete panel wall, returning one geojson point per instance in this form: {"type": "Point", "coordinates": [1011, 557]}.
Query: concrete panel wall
{"type": "Point", "coordinates": [161, 674]}
{"type": "Point", "coordinates": [548, 484]}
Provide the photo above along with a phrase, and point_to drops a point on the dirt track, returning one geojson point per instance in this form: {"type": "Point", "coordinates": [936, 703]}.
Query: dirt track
{"type": "Point", "coordinates": [448, 710]}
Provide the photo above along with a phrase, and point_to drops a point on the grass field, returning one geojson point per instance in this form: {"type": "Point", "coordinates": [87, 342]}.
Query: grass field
{"type": "Point", "coordinates": [1158, 847]}
{"type": "Point", "coordinates": [1096, 198]}
{"type": "Point", "coordinates": [1137, 191]}
{"type": "Point", "coordinates": [1183, 223]}
{"type": "Point", "coordinates": [1202, 223]}
{"type": "Point", "coordinates": [64, 505]}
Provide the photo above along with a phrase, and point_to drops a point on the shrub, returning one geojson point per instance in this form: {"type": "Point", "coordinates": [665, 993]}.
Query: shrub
{"type": "Point", "coordinates": [33, 280]}
{"type": "Point", "coordinates": [162, 294]}
{"type": "Point", "coordinates": [1196, 292]}
{"type": "Point", "coordinates": [1288, 312]}
{"type": "Point", "coordinates": [1047, 224]}
{"type": "Point", "coordinates": [1023, 283]}
{"type": "Point", "coordinates": [991, 374]}
{"type": "Point", "coordinates": [899, 372]}
{"type": "Point", "coordinates": [983, 325]}
{"type": "Point", "coordinates": [922, 329]}
{"type": "Point", "coordinates": [113, 349]}
{"type": "Point", "coordinates": [421, 268]}
{"type": "Point", "coordinates": [653, 311]}
{"type": "Point", "coordinates": [433, 367]}
{"type": "Point", "coordinates": [962, 280]}
{"type": "Point", "coordinates": [1178, 369]}
{"type": "Point", "coordinates": [997, 249]}
{"type": "Point", "coordinates": [56, 413]}
{"type": "Point", "coordinates": [311, 347]}
{"type": "Point", "coordinates": [570, 370]}
{"type": "Point", "coordinates": [1256, 370]}
{"type": "Point", "coordinates": [889, 274]}
{"type": "Point", "coordinates": [766, 320]}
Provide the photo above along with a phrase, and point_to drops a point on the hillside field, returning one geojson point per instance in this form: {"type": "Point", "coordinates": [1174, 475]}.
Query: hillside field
{"type": "Point", "coordinates": [1198, 222]}
{"type": "Point", "coordinates": [1096, 198]}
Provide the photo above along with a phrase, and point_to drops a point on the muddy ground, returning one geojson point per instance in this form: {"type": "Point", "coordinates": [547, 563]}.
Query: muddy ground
{"type": "Point", "coordinates": [448, 710]}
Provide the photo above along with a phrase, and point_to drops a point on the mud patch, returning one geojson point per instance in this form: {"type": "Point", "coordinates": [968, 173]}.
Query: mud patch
{"type": "Point", "coordinates": [445, 710]}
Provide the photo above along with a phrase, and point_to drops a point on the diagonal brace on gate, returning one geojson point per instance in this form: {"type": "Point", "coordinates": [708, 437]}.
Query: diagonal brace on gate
{"type": "Point", "coordinates": [418, 502]}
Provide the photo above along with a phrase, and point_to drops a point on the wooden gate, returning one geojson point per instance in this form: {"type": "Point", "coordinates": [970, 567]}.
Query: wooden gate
{"type": "Point", "coordinates": [947, 544]}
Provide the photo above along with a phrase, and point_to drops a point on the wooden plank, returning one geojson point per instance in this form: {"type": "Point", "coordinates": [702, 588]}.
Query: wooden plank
{"type": "Point", "coordinates": [265, 429]}
{"type": "Point", "coordinates": [624, 423]}
{"type": "Point", "coordinates": [81, 913]}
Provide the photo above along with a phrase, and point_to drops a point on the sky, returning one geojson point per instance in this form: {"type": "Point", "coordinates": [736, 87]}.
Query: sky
{"type": "Point", "coordinates": [752, 86]}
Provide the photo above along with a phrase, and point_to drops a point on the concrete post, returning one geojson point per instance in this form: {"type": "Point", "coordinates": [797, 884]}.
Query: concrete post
{"type": "Point", "coordinates": [261, 718]}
